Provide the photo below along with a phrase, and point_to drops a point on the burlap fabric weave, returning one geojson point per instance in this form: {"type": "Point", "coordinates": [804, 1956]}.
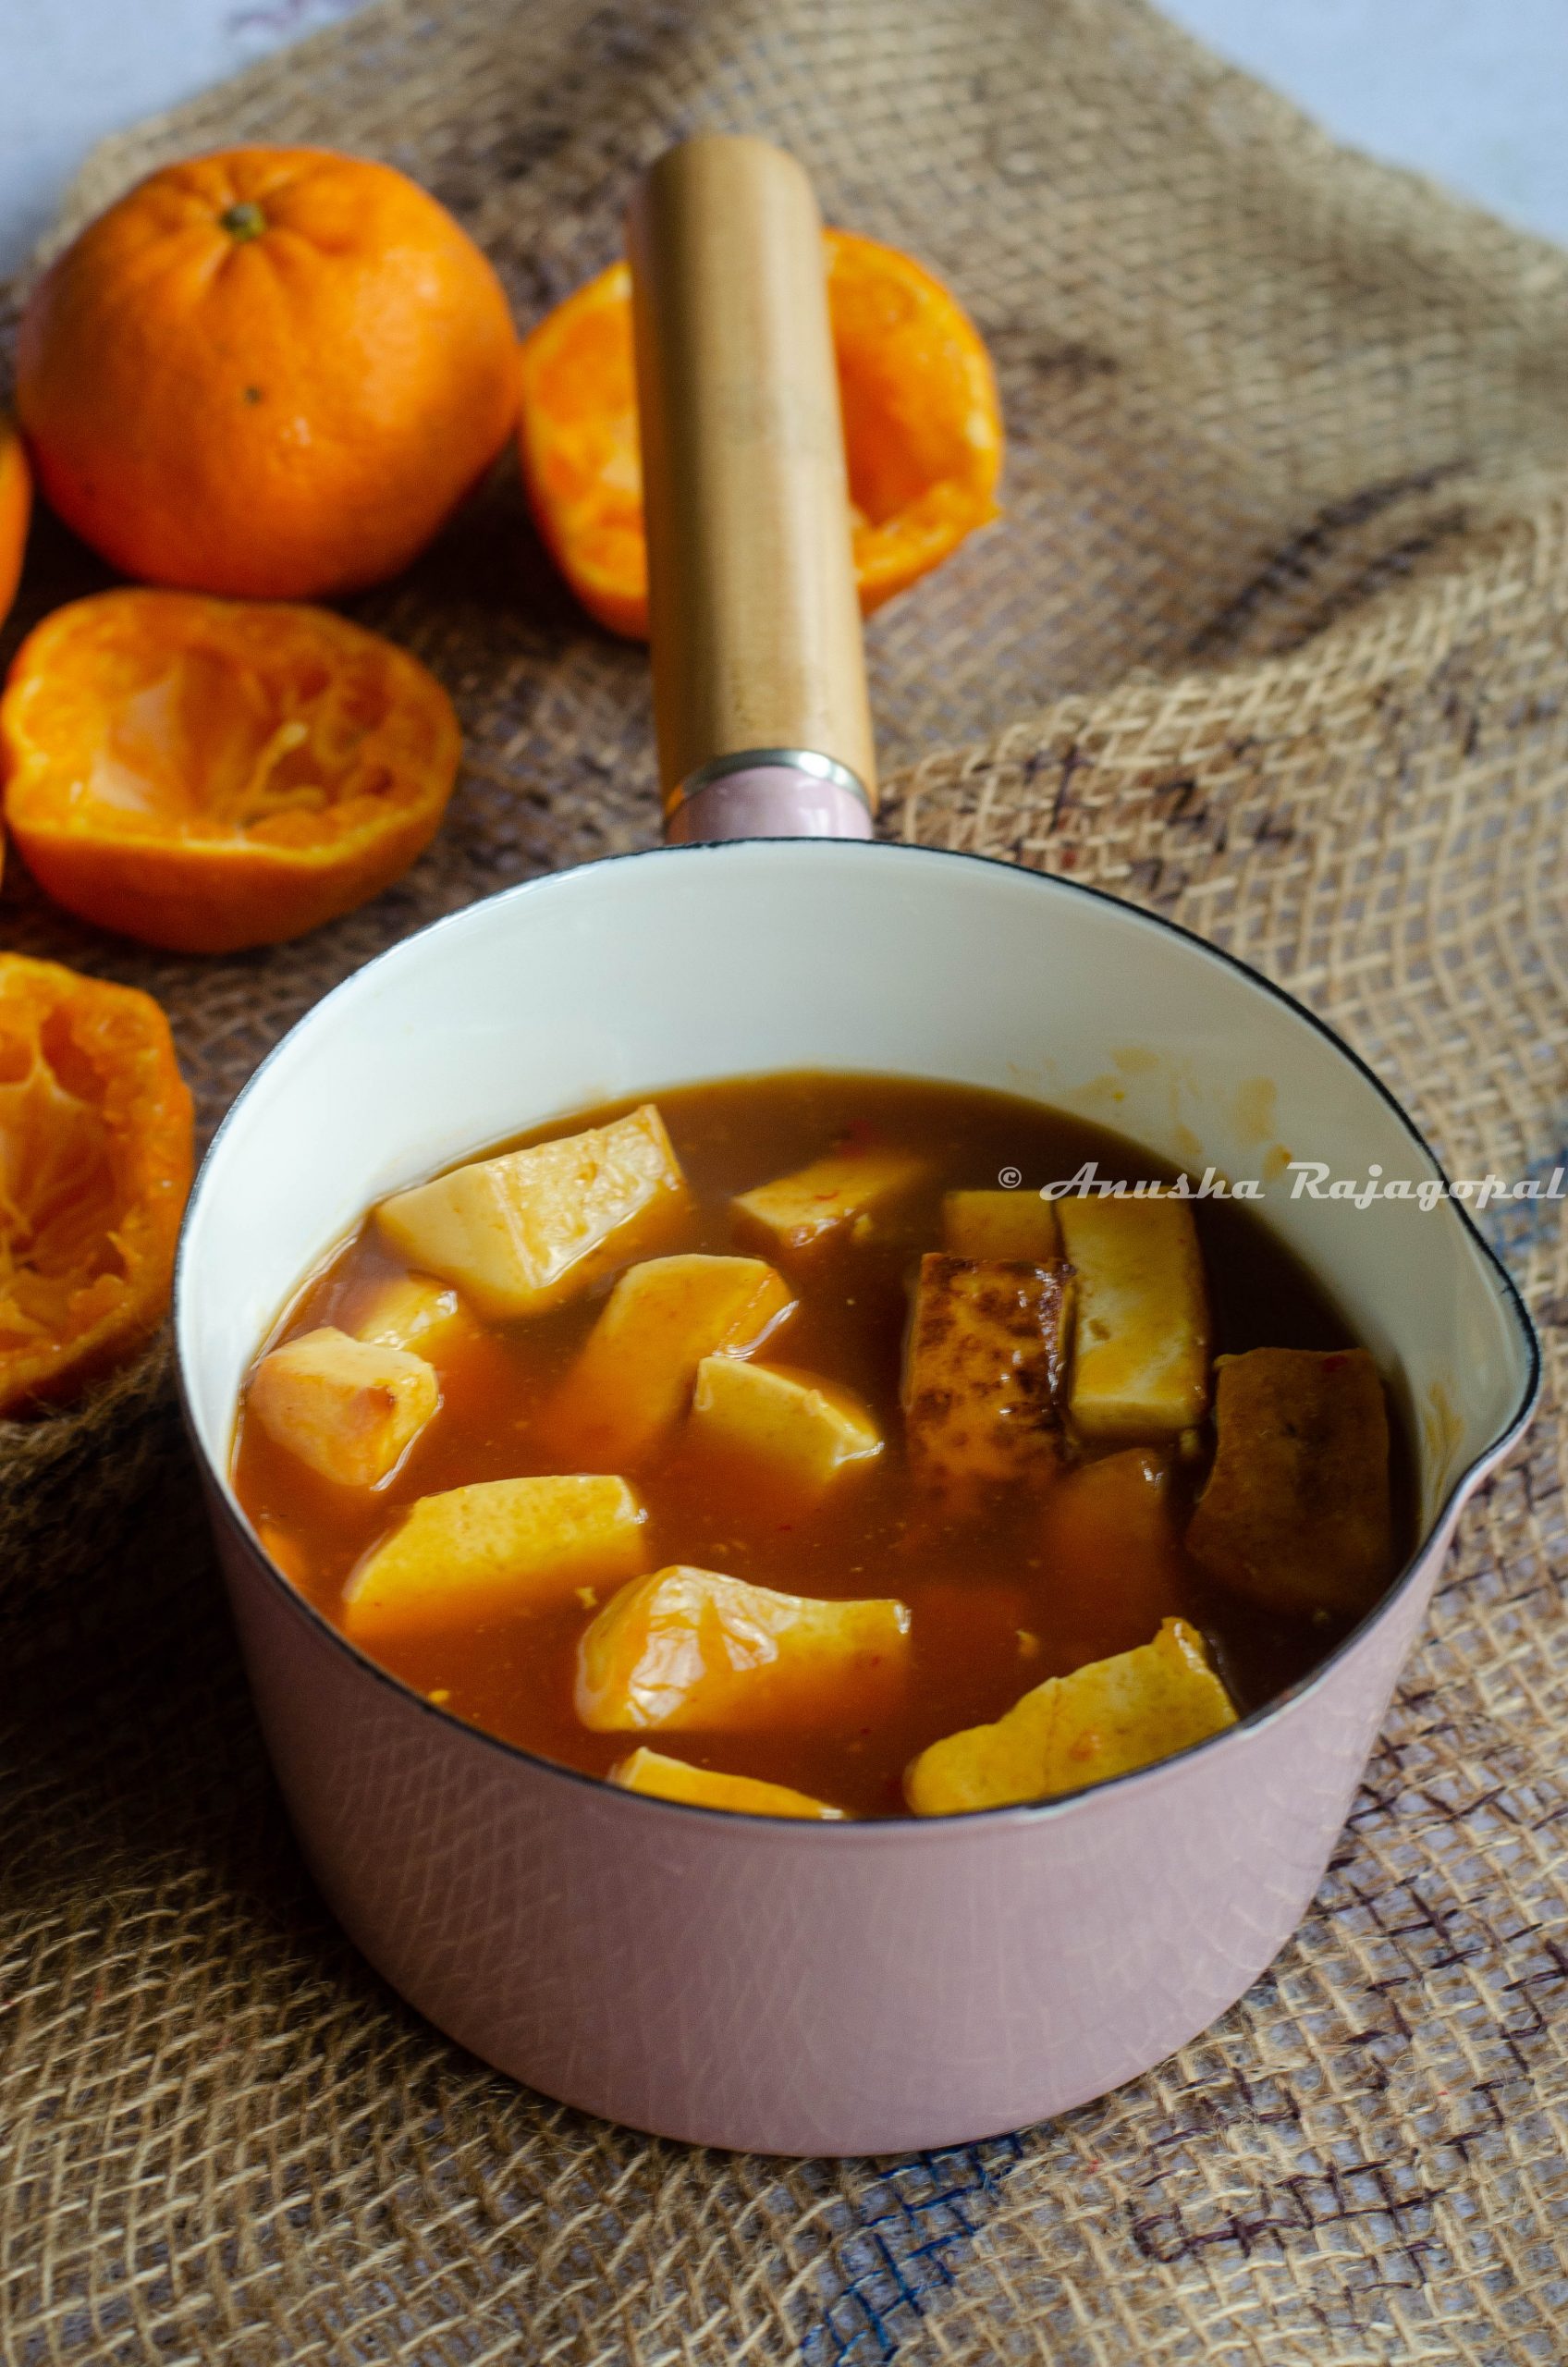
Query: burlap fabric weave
{"type": "Point", "coordinates": [1275, 637]}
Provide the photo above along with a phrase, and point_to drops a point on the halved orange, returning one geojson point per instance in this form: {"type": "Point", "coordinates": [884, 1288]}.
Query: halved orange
{"type": "Point", "coordinates": [95, 1163]}
{"type": "Point", "coordinates": [922, 429]}
{"type": "Point", "coordinates": [16, 505]}
{"type": "Point", "coordinates": [211, 774]}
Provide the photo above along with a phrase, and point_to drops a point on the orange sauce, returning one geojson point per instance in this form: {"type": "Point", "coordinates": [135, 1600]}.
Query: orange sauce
{"type": "Point", "coordinates": [993, 1609]}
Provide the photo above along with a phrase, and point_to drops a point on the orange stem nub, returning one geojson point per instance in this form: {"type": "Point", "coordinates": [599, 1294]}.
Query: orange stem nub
{"type": "Point", "coordinates": [243, 220]}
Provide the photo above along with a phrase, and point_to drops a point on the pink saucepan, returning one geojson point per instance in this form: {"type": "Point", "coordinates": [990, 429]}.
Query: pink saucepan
{"type": "Point", "coordinates": [790, 1987]}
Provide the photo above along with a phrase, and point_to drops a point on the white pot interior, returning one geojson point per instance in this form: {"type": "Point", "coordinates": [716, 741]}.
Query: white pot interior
{"type": "Point", "coordinates": [710, 962]}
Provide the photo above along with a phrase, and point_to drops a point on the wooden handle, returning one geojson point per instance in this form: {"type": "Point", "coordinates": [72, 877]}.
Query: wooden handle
{"type": "Point", "coordinates": [753, 615]}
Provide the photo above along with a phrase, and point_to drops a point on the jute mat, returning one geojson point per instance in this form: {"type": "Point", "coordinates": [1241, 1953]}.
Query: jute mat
{"type": "Point", "coordinates": [1282, 596]}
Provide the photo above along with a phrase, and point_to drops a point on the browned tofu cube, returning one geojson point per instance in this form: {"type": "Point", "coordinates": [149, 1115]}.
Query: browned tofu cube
{"type": "Point", "coordinates": [985, 1371]}
{"type": "Point", "coordinates": [1297, 1514]}
{"type": "Point", "coordinates": [1140, 1352]}
{"type": "Point", "coordinates": [350, 1408]}
{"type": "Point", "coordinates": [1111, 1551]}
{"type": "Point", "coordinates": [1001, 1224]}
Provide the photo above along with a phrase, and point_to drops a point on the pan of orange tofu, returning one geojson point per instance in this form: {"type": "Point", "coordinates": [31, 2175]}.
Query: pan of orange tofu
{"type": "Point", "coordinates": [830, 1484]}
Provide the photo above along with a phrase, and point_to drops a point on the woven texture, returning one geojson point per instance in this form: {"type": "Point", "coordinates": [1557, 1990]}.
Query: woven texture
{"type": "Point", "coordinates": [65, 1479]}
{"type": "Point", "coordinates": [1282, 593]}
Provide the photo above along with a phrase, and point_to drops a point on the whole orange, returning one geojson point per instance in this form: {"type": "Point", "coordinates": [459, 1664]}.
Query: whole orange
{"type": "Point", "coordinates": [270, 371]}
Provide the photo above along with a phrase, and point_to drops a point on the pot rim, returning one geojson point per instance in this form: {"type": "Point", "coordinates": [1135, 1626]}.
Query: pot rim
{"type": "Point", "coordinates": [860, 1832]}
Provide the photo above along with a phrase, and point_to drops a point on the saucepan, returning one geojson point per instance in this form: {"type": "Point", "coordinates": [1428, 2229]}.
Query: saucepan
{"type": "Point", "coordinates": [740, 1981]}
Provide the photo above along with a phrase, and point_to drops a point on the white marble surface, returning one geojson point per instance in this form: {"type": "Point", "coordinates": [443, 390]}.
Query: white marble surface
{"type": "Point", "coordinates": [1471, 90]}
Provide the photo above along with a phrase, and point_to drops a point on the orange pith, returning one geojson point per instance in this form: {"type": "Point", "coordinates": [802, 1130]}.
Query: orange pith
{"type": "Point", "coordinates": [16, 503]}
{"type": "Point", "coordinates": [95, 1163]}
{"type": "Point", "coordinates": [207, 775]}
{"type": "Point", "coordinates": [921, 429]}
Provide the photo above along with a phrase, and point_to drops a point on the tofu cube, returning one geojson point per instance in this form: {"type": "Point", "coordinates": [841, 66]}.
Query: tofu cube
{"type": "Point", "coordinates": [1001, 1224]}
{"type": "Point", "coordinates": [691, 1648]}
{"type": "Point", "coordinates": [496, 1548]}
{"type": "Point", "coordinates": [1296, 1513]}
{"type": "Point", "coordinates": [1103, 1720]}
{"type": "Point", "coordinates": [985, 1371]}
{"type": "Point", "coordinates": [633, 1380]}
{"type": "Point", "coordinates": [350, 1408]}
{"type": "Point", "coordinates": [1110, 1552]}
{"type": "Point", "coordinates": [800, 1211]}
{"type": "Point", "coordinates": [706, 1787]}
{"type": "Point", "coordinates": [1135, 1708]}
{"type": "Point", "coordinates": [1140, 1351]}
{"type": "Point", "coordinates": [798, 1430]}
{"type": "Point", "coordinates": [523, 1231]}
{"type": "Point", "coordinates": [284, 1551]}
{"type": "Point", "coordinates": [410, 1311]}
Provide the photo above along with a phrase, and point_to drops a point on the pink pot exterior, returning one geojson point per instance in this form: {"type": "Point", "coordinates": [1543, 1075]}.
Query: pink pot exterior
{"type": "Point", "coordinates": [744, 1981]}
{"type": "Point", "coordinates": [785, 1988]}
{"type": "Point", "coordinates": [776, 801]}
